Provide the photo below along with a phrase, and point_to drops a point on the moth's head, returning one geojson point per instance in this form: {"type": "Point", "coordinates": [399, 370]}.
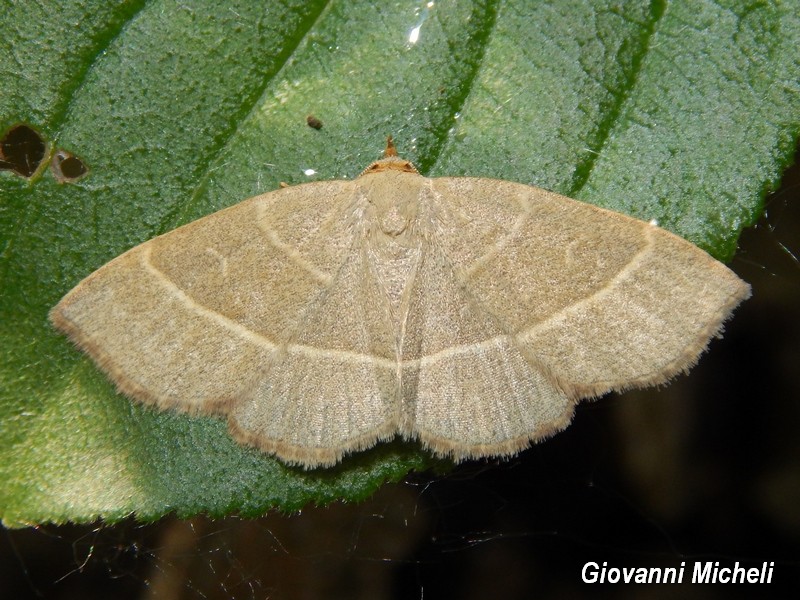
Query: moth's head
{"type": "Point", "coordinates": [390, 162]}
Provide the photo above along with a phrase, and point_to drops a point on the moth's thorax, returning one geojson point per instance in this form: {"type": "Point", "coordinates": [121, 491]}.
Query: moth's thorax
{"type": "Point", "coordinates": [393, 200]}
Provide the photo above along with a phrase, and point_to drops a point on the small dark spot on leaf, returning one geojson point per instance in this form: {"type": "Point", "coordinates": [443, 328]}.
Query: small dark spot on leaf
{"type": "Point", "coordinates": [67, 167]}
{"type": "Point", "coordinates": [22, 149]}
{"type": "Point", "coordinates": [313, 122]}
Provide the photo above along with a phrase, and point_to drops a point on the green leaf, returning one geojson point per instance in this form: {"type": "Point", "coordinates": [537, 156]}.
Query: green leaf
{"type": "Point", "coordinates": [685, 112]}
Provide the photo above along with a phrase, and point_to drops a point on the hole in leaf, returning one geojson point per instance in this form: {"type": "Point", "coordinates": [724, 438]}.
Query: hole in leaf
{"type": "Point", "coordinates": [67, 167]}
{"type": "Point", "coordinates": [21, 150]}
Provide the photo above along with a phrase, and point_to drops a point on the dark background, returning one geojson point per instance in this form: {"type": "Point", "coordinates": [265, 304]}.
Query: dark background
{"type": "Point", "coordinates": [707, 468]}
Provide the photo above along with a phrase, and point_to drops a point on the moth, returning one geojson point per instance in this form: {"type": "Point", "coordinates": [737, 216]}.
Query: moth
{"type": "Point", "coordinates": [470, 314]}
